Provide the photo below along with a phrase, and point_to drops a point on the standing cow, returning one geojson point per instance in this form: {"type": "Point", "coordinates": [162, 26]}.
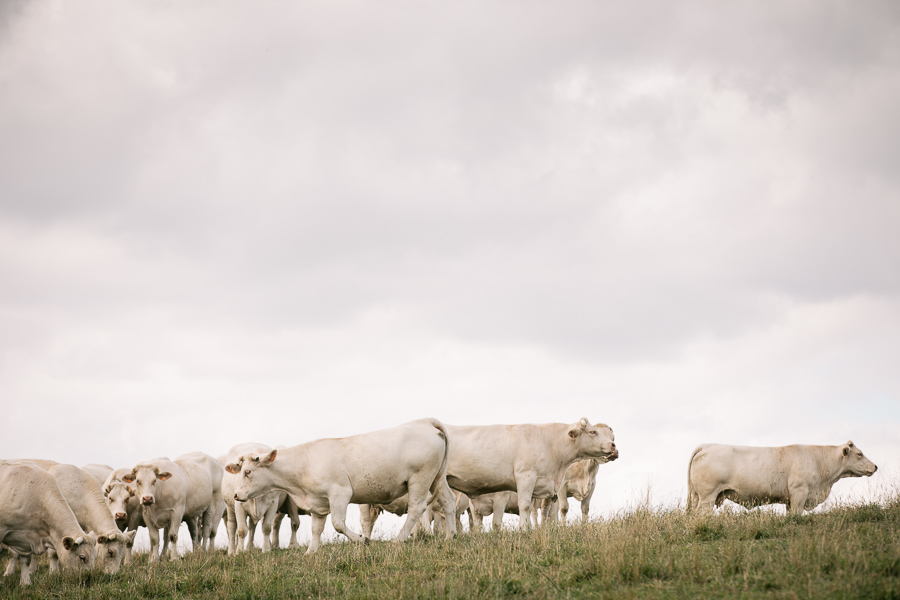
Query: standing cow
{"type": "Point", "coordinates": [495, 505]}
{"type": "Point", "coordinates": [528, 459]}
{"type": "Point", "coordinates": [324, 476]}
{"type": "Point", "coordinates": [242, 517]}
{"type": "Point", "coordinates": [35, 517]}
{"type": "Point", "coordinates": [188, 488]}
{"type": "Point", "coordinates": [800, 477]}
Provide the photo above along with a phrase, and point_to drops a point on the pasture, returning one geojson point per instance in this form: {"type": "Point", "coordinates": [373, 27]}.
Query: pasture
{"type": "Point", "coordinates": [850, 551]}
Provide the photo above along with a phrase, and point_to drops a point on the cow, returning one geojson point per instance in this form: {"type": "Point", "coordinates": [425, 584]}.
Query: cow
{"type": "Point", "coordinates": [495, 505]}
{"type": "Point", "coordinates": [580, 482]}
{"type": "Point", "coordinates": [83, 495]}
{"type": "Point", "coordinates": [98, 472]}
{"type": "Point", "coordinates": [242, 517]}
{"type": "Point", "coordinates": [35, 517]}
{"type": "Point", "coordinates": [124, 506]}
{"type": "Point", "coordinates": [188, 488]}
{"type": "Point", "coordinates": [798, 476]}
{"type": "Point", "coordinates": [324, 476]}
{"type": "Point", "coordinates": [528, 459]}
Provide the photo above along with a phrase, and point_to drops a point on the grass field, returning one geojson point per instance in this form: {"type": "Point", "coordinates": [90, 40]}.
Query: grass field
{"type": "Point", "coordinates": [848, 552]}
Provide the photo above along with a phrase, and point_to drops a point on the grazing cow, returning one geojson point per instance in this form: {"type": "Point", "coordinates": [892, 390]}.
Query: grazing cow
{"type": "Point", "coordinates": [324, 476]}
{"type": "Point", "coordinates": [528, 459]}
{"type": "Point", "coordinates": [35, 517]}
{"type": "Point", "coordinates": [124, 506]}
{"type": "Point", "coordinates": [188, 488]}
{"type": "Point", "coordinates": [242, 517]}
{"type": "Point", "coordinates": [495, 505]}
{"type": "Point", "coordinates": [82, 493]}
{"type": "Point", "coordinates": [800, 477]}
{"type": "Point", "coordinates": [98, 472]}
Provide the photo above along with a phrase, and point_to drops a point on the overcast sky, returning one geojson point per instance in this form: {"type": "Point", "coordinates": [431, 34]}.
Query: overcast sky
{"type": "Point", "coordinates": [224, 222]}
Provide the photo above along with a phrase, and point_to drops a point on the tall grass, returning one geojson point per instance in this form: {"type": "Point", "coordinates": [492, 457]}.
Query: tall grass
{"type": "Point", "coordinates": [644, 552]}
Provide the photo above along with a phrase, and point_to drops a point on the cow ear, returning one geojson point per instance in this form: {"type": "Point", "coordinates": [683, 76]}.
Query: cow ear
{"type": "Point", "coordinates": [269, 458]}
{"type": "Point", "coordinates": [850, 444]}
{"type": "Point", "coordinates": [68, 542]}
{"type": "Point", "coordinates": [573, 433]}
{"type": "Point", "coordinates": [129, 537]}
{"type": "Point", "coordinates": [107, 490]}
{"type": "Point", "coordinates": [233, 468]}
{"type": "Point", "coordinates": [164, 475]}
{"type": "Point", "coordinates": [128, 478]}
{"type": "Point", "coordinates": [846, 450]}
{"type": "Point", "coordinates": [102, 539]}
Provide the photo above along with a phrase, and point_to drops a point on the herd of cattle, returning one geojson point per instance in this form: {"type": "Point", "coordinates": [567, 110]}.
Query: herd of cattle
{"type": "Point", "coordinates": [87, 517]}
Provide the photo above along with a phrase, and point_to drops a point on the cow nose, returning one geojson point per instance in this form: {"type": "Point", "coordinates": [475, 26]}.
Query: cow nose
{"type": "Point", "coordinates": [236, 499]}
{"type": "Point", "coordinates": [613, 445]}
{"type": "Point", "coordinates": [147, 500]}
{"type": "Point", "coordinates": [120, 516]}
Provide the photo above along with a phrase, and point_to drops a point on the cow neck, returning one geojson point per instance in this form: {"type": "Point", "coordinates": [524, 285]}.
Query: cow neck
{"type": "Point", "coordinates": [58, 518]}
{"type": "Point", "coordinates": [83, 494]}
{"type": "Point", "coordinates": [829, 462]}
{"type": "Point", "coordinates": [288, 469]}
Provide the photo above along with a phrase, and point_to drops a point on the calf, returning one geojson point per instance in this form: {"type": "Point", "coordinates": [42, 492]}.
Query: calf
{"type": "Point", "coordinates": [35, 517]}
{"type": "Point", "coordinates": [324, 476]}
{"type": "Point", "coordinates": [800, 477]}
{"type": "Point", "coordinates": [495, 505]}
{"type": "Point", "coordinates": [528, 459]}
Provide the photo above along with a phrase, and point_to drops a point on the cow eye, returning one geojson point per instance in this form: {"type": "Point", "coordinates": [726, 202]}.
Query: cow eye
{"type": "Point", "coordinates": [247, 472]}
{"type": "Point", "coordinates": [593, 433]}
{"type": "Point", "coordinates": [110, 552]}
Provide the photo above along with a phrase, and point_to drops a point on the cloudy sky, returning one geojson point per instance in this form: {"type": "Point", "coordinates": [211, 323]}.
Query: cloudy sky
{"type": "Point", "coordinates": [224, 222]}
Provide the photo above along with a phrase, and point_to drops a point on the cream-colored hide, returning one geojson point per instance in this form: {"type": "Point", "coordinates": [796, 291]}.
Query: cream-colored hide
{"type": "Point", "coordinates": [528, 459]}
{"type": "Point", "coordinates": [34, 517]}
{"type": "Point", "coordinates": [800, 477]}
{"type": "Point", "coordinates": [324, 476]}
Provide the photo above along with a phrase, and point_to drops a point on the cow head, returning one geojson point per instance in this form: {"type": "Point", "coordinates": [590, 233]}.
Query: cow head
{"type": "Point", "coordinates": [855, 462]}
{"type": "Point", "coordinates": [77, 554]}
{"type": "Point", "coordinates": [594, 441]}
{"type": "Point", "coordinates": [121, 499]}
{"type": "Point", "coordinates": [112, 548]}
{"type": "Point", "coordinates": [145, 478]}
{"type": "Point", "coordinates": [256, 477]}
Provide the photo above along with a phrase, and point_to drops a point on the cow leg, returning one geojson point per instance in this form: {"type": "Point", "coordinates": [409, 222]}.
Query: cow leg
{"type": "Point", "coordinates": [499, 510]}
{"type": "Point", "coordinates": [240, 514]}
{"type": "Point", "coordinates": [447, 502]}
{"type": "Point", "coordinates": [231, 529]}
{"type": "Point", "coordinates": [339, 517]}
{"type": "Point", "coordinates": [476, 519]}
{"type": "Point", "coordinates": [525, 489]}
{"type": "Point", "coordinates": [11, 564]}
{"type": "Point", "coordinates": [25, 563]}
{"type": "Point", "coordinates": [172, 533]}
{"type": "Point", "coordinates": [294, 516]}
{"type": "Point", "coordinates": [194, 532]}
{"type": "Point", "coordinates": [53, 557]}
{"type": "Point", "coordinates": [276, 530]}
{"type": "Point", "coordinates": [799, 494]}
{"type": "Point", "coordinates": [418, 499]}
{"type": "Point", "coordinates": [154, 543]}
{"type": "Point", "coordinates": [318, 526]}
{"type": "Point", "coordinates": [368, 514]}
{"type": "Point", "coordinates": [267, 521]}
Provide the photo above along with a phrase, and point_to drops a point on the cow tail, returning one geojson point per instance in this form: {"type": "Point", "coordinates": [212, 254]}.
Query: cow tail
{"type": "Point", "coordinates": [690, 488]}
{"type": "Point", "coordinates": [442, 472]}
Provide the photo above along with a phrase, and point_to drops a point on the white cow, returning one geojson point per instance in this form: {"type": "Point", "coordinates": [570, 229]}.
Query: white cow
{"type": "Point", "coordinates": [34, 517]}
{"type": "Point", "coordinates": [188, 488]}
{"type": "Point", "coordinates": [579, 483]}
{"type": "Point", "coordinates": [495, 505]}
{"type": "Point", "coordinates": [242, 517]}
{"type": "Point", "coordinates": [528, 459]}
{"type": "Point", "coordinates": [800, 477]}
{"type": "Point", "coordinates": [324, 476]}
{"type": "Point", "coordinates": [82, 493]}
{"type": "Point", "coordinates": [98, 472]}
{"type": "Point", "coordinates": [124, 506]}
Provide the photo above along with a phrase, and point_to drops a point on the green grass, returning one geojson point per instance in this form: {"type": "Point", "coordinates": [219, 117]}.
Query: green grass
{"type": "Point", "coordinates": [848, 552]}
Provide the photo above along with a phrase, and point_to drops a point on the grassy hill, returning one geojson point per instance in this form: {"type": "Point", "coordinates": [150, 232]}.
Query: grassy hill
{"type": "Point", "coordinates": [848, 552]}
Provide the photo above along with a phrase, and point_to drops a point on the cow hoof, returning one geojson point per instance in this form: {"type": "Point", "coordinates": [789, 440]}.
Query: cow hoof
{"type": "Point", "coordinates": [365, 541]}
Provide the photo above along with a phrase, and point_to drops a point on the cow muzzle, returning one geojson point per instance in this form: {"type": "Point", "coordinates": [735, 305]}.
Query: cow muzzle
{"type": "Point", "coordinates": [147, 500]}
{"type": "Point", "coordinates": [121, 516]}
